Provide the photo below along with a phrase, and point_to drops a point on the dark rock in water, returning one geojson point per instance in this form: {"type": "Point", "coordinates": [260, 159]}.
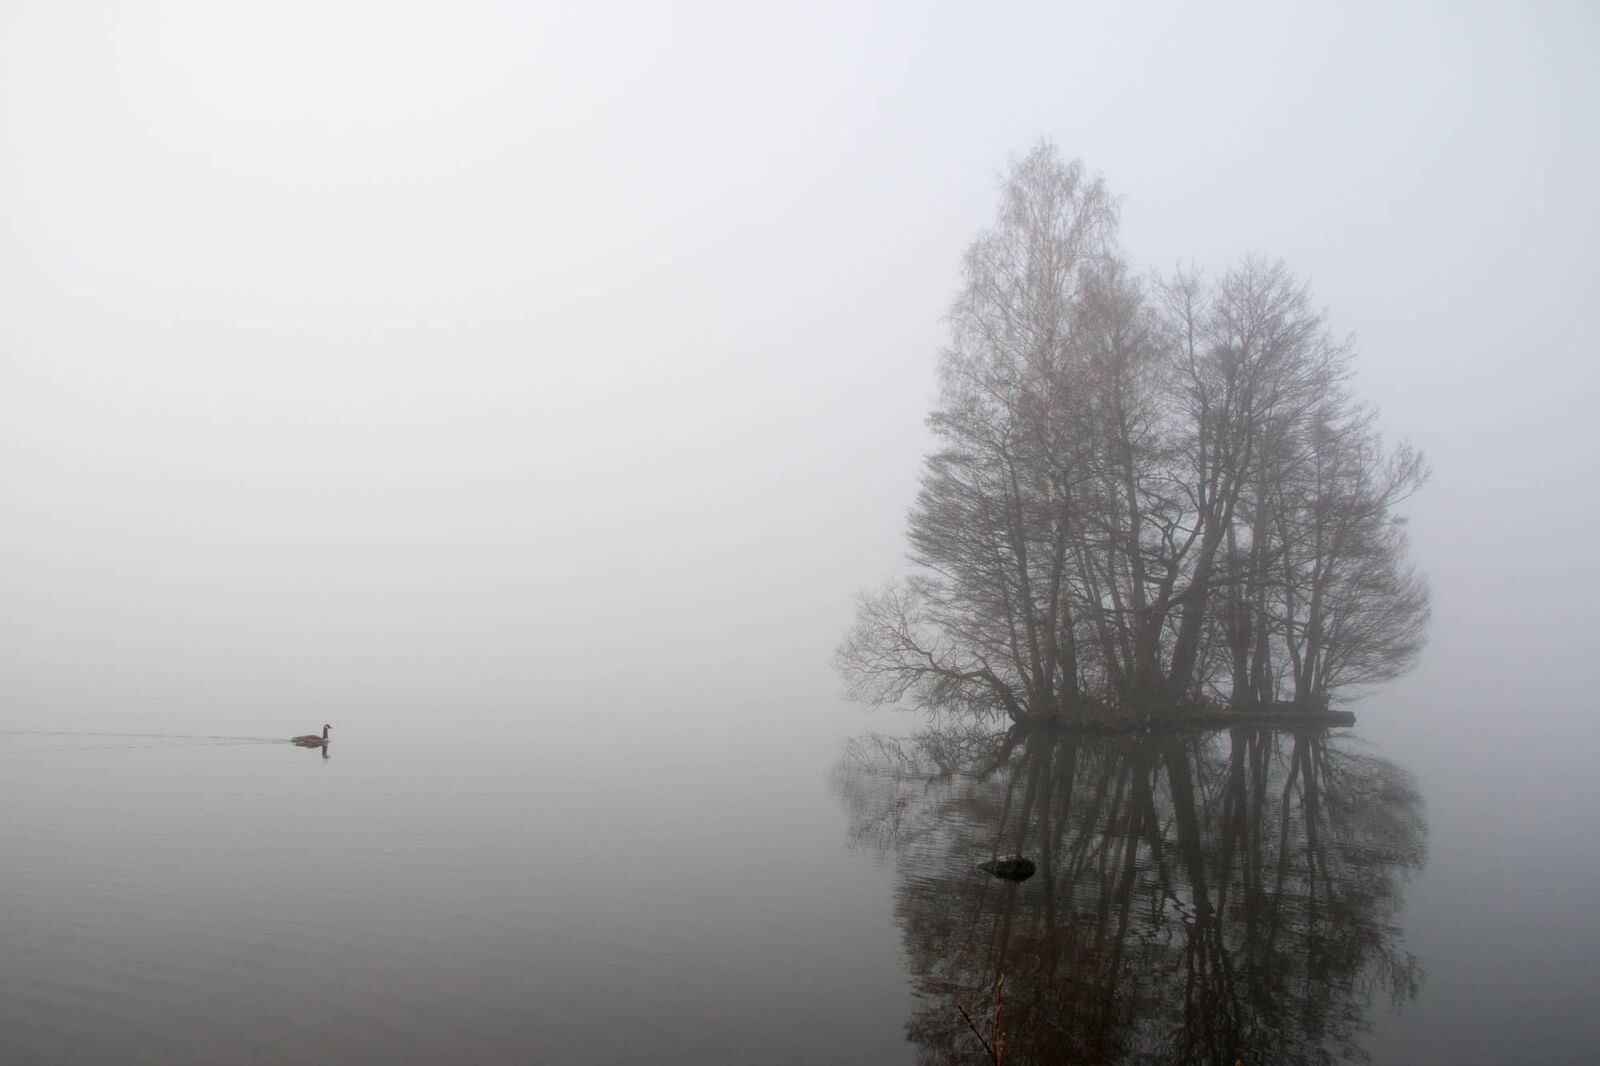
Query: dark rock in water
{"type": "Point", "coordinates": [1010, 867]}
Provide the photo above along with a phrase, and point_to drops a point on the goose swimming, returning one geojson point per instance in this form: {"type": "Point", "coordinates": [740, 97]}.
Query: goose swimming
{"type": "Point", "coordinates": [311, 740]}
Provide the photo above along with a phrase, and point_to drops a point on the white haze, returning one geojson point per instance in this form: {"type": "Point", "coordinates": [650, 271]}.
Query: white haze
{"type": "Point", "coordinates": [410, 358]}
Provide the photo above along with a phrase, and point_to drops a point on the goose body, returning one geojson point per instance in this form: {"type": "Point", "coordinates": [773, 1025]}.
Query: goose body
{"type": "Point", "coordinates": [311, 740]}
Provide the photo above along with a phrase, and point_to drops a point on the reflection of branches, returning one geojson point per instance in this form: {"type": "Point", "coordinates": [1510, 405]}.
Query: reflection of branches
{"type": "Point", "coordinates": [994, 1044]}
{"type": "Point", "coordinates": [1201, 898]}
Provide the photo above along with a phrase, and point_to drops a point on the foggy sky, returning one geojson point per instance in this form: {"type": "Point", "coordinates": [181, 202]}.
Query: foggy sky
{"type": "Point", "coordinates": [352, 350]}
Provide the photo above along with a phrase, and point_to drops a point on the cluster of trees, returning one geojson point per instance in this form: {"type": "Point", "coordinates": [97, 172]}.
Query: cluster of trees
{"type": "Point", "coordinates": [1149, 492]}
{"type": "Point", "coordinates": [1199, 898]}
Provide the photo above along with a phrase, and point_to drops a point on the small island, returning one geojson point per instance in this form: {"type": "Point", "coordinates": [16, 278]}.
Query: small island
{"type": "Point", "coordinates": [1155, 500]}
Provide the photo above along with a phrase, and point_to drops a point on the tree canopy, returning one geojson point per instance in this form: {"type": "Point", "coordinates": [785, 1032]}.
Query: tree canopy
{"type": "Point", "coordinates": [1149, 491]}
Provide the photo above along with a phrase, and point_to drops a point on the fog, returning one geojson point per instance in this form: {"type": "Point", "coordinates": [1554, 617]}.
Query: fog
{"type": "Point", "coordinates": [527, 391]}
{"type": "Point", "coordinates": [388, 360]}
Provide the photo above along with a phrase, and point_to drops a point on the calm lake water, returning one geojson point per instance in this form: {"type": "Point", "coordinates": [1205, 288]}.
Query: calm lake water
{"type": "Point", "coordinates": [772, 891]}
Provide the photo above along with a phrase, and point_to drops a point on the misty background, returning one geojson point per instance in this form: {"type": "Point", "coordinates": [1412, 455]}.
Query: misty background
{"type": "Point", "coordinates": [552, 377]}
{"type": "Point", "coordinates": [381, 363]}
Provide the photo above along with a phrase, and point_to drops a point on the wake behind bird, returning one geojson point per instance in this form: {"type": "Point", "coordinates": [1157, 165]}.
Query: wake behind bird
{"type": "Point", "coordinates": [137, 741]}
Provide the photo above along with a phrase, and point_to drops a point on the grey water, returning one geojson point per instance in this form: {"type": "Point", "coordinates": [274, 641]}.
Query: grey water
{"type": "Point", "coordinates": [775, 884]}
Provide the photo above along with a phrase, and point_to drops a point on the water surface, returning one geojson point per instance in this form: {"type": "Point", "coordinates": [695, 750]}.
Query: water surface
{"type": "Point", "coordinates": [788, 887]}
{"type": "Point", "coordinates": [546, 895]}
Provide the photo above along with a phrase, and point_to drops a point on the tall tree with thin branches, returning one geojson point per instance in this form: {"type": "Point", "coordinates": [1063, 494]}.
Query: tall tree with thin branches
{"type": "Point", "coordinates": [1146, 494]}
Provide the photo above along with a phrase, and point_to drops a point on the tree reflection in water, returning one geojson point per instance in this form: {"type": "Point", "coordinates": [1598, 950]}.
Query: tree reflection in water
{"type": "Point", "coordinates": [1208, 898]}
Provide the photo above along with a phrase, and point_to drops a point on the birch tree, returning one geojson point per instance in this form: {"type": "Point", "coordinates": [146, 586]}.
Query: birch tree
{"type": "Point", "coordinates": [1147, 494]}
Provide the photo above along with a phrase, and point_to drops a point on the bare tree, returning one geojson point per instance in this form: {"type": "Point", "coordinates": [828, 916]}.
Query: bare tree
{"type": "Point", "coordinates": [1353, 610]}
{"type": "Point", "coordinates": [996, 517]}
{"type": "Point", "coordinates": [1249, 365]}
{"type": "Point", "coordinates": [1144, 495]}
